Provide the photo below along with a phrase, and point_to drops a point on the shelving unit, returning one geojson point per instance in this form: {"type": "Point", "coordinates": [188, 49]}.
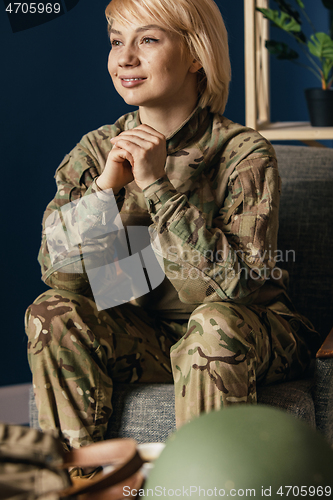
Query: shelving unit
{"type": "Point", "coordinates": [257, 84]}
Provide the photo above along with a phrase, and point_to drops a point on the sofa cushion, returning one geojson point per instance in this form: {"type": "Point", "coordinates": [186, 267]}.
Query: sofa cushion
{"type": "Point", "coordinates": [146, 412]}
{"type": "Point", "coordinates": [306, 222]}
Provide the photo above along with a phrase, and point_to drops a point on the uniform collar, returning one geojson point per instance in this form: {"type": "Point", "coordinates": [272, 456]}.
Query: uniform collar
{"type": "Point", "coordinates": [188, 132]}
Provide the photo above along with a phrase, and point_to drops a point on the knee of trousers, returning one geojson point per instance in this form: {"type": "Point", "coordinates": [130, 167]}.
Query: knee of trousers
{"type": "Point", "coordinates": [222, 324]}
{"type": "Point", "coordinates": [55, 310]}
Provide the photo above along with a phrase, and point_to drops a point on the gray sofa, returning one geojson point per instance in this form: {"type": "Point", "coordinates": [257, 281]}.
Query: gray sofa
{"type": "Point", "coordinates": [146, 412]}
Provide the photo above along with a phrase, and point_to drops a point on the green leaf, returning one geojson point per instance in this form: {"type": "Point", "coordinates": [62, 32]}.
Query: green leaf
{"type": "Point", "coordinates": [300, 4]}
{"type": "Point", "coordinates": [281, 50]}
{"type": "Point", "coordinates": [327, 68]}
{"type": "Point", "coordinates": [321, 45]}
{"type": "Point", "coordinates": [281, 20]}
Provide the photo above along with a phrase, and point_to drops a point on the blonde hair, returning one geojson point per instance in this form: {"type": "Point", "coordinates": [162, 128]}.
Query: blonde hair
{"type": "Point", "coordinates": [201, 26]}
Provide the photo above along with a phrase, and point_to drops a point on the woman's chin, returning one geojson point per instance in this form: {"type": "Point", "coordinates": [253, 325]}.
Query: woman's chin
{"type": "Point", "coordinates": [132, 102]}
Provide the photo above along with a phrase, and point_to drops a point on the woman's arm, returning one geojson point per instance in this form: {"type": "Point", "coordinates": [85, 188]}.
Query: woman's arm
{"type": "Point", "coordinates": [233, 257]}
{"type": "Point", "coordinates": [77, 223]}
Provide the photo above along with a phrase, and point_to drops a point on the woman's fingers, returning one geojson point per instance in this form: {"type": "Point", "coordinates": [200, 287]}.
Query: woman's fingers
{"type": "Point", "coordinates": [147, 148]}
{"type": "Point", "coordinates": [118, 170]}
{"type": "Point", "coordinates": [118, 155]}
{"type": "Point", "coordinates": [140, 138]}
{"type": "Point", "coordinates": [142, 131]}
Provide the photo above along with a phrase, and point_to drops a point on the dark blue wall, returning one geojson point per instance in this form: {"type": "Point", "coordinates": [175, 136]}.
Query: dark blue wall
{"type": "Point", "coordinates": [54, 88]}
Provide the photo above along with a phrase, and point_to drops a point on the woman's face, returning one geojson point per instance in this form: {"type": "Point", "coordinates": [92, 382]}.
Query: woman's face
{"type": "Point", "coordinates": [148, 66]}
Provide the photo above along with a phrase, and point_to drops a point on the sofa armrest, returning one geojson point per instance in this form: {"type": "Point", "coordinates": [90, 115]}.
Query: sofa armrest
{"type": "Point", "coordinates": [326, 350]}
{"type": "Point", "coordinates": [323, 397]}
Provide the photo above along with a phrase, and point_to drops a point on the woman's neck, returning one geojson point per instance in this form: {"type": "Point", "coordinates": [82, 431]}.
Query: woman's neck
{"type": "Point", "coordinates": [166, 120]}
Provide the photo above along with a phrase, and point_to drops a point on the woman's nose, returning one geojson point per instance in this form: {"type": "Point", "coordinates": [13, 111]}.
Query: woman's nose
{"type": "Point", "coordinates": [128, 56]}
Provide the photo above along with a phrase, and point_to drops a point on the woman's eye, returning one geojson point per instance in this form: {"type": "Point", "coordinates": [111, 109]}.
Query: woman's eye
{"type": "Point", "coordinates": [148, 40]}
{"type": "Point", "coordinates": [115, 43]}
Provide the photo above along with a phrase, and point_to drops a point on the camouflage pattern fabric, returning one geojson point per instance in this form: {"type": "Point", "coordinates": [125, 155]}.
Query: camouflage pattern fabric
{"type": "Point", "coordinates": [215, 211]}
{"type": "Point", "coordinates": [216, 215]}
{"type": "Point", "coordinates": [228, 349]}
{"type": "Point", "coordinates": [76, 353]}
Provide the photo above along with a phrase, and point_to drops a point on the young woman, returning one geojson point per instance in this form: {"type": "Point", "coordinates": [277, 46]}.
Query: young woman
{"type": "Point", "coordinates": [209, 189]}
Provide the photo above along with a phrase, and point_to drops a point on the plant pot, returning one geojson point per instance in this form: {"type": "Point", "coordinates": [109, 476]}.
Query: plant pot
{"type": "Point", "coordinates": [320, 105]}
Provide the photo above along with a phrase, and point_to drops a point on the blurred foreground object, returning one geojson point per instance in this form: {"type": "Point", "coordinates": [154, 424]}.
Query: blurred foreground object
{"type": "Point", "coordinates": [237, 449]}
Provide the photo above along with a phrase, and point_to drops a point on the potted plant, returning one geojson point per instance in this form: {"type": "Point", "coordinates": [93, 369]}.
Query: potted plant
{"type": "Point", "coordinates": [318, 49]}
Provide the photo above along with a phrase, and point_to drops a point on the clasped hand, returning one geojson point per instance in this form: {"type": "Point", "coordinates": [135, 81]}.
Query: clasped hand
{"type": "Point", "coordinates": [138, 154]}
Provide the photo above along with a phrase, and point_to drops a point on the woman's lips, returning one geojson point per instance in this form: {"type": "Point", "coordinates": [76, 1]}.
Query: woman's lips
{"type": "Point", "coordinates": [131, 82]}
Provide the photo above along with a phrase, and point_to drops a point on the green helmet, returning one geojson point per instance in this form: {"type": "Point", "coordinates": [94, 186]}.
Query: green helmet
{"type": "Point", "coordinates": [244, 451]}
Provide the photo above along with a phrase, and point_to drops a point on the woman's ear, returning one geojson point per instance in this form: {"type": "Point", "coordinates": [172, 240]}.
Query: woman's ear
{"type": "Point", "coordinates": [195, 66]}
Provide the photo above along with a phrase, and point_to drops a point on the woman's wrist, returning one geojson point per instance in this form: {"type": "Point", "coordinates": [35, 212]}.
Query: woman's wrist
{"type": "Point", "coordinates": [101, 187]}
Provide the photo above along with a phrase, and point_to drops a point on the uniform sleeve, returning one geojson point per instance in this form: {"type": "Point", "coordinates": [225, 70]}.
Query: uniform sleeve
{"type": "Point", "coordinates": [231, 258]}
{"type": "Point", "coordinates": [77, 224]}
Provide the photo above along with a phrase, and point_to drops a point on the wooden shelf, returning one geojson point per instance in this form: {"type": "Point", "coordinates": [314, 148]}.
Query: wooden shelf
{"type": "Point", "coordinates": [299, 131]}
{"type": "Point", "coordinates": [257, 85]}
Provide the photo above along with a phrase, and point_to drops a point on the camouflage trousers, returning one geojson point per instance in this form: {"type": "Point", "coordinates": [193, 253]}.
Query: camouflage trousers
{"type": "Point", "coordinates": [76, 352]}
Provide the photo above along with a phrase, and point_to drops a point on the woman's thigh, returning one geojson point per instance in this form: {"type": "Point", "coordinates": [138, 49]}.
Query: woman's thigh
{"type": "Point", "coordinates": [76, 353]}
{"type": "Point", "coordinates": [125, 342]}
{"type": "Point", "coordinates": [142, 345]}
{"type": "Point", "coordinates": [227, 349]}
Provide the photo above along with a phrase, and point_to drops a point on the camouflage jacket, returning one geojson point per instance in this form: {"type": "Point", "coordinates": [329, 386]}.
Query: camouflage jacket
{"type": "Point", "coordinates": [215, 213]}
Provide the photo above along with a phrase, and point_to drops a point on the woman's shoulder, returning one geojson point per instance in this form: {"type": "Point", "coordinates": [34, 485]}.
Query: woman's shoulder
{"type": "Point", "coordinates": [240, 140]}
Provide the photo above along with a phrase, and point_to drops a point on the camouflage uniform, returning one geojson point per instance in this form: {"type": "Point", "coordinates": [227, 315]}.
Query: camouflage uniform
{"type": "Point", "coordinates": [222, 308]}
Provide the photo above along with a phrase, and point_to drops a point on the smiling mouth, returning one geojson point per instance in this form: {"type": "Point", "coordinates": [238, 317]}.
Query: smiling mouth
{"type": "Point", "coordinates": [131, 83]}
{"type": "Point", "coordinates": [132, 79]}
